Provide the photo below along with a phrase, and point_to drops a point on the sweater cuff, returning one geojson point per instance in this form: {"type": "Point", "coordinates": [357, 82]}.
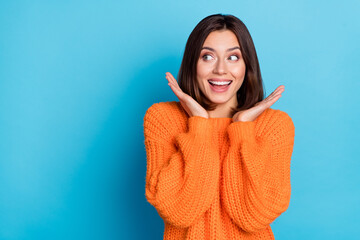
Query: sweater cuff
{"type": "Point", "coordinates": [200, 127]}
{"type": "Point", "coordinates": [241, 131]}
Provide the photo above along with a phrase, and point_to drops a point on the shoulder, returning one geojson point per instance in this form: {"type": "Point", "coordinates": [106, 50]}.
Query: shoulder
{"type": "Point", "coordinates": [165, 110]}
{"type": "Point", "coordinates": [275, 120]}
{"type": "Point", "coordinates": [275, 115]}
{"type": "Point", "coordinates": [166, 118]}
{"type": "Point", "coordinates": [165, 107]}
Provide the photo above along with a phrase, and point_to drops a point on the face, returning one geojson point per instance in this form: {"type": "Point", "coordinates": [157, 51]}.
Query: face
{"type": "Point", "coordinates": [221, 68]}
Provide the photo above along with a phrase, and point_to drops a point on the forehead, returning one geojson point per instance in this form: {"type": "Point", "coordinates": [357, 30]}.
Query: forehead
{"type": "Point", "coordinates": [220, 39]}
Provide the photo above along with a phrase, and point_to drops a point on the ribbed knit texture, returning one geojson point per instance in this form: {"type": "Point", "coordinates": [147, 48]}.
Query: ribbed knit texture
{"type": "Point", "coordinates": [213, 179]}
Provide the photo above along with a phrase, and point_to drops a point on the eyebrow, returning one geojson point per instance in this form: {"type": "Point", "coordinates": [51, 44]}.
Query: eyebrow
{"type": "Point", "coordinates": [211, 49]}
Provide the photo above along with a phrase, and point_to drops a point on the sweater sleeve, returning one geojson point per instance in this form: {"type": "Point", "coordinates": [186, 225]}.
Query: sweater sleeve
{"type": "Point", "coordinates": [256, 172]}
{"type": "Point", "coordinates": [183, 171]}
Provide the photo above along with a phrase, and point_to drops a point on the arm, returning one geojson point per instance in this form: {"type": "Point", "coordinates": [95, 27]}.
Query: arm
{"type": "Point", "coordinates": [256, 174]}
{"type": "Point", "coordinates": [183, 171]}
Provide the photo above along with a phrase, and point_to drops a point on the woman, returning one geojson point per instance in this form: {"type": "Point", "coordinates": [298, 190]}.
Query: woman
{"type": "Point", "coordinates": [218, 161]}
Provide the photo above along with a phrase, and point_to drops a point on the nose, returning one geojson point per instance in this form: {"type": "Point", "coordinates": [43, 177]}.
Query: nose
{"type": "Point", "coordinates": [220, 67]}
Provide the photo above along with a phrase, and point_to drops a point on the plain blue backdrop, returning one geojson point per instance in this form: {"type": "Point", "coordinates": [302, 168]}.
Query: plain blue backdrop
{"type": "Point", "coordinates": [76, 78]}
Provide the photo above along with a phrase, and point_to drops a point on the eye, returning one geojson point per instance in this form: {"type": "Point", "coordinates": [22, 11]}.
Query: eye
{"type": "Point", "coordinates": [206, 57]}
{"type": "Point", "coordinates": [236, 57]}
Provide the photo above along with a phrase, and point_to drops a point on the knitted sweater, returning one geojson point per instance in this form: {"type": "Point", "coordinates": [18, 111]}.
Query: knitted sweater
{"type": "Point", "coordinates": [213, 179]}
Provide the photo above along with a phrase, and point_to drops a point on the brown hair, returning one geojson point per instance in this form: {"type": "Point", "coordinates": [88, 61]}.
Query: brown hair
{"type": "Point", "coordinates": [251, 90]}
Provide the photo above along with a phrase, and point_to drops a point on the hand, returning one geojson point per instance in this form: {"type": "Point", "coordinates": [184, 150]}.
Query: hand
{"type": "Point", "coordinates": [192, 107]}
{"type": "Point", "coordinates": [252, 113]}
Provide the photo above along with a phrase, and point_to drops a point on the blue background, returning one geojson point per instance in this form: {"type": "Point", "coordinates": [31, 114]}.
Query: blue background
{"type": "Point", "coordinates": [76, 78]}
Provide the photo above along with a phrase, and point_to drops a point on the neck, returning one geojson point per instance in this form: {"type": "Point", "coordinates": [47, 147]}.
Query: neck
{"type": "Point", "coordinates": [221, 111]}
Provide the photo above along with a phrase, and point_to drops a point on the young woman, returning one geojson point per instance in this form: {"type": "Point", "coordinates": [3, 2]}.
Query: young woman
{"type": "Point", "coordinates": [218, 161]}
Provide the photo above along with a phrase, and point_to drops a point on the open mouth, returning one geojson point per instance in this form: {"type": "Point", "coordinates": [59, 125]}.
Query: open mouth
{"type": "Point", "coordinates": [219, 86]}
{"type": "Point", "coordinates": [220, 83]}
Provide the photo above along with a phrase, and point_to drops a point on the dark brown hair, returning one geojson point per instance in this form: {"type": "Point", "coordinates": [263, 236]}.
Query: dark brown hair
{"type": "Point", "coordinates": [251, 90]}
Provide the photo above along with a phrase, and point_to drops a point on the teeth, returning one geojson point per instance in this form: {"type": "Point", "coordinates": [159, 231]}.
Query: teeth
{"type": "Point", "coordinates": [220, 83]}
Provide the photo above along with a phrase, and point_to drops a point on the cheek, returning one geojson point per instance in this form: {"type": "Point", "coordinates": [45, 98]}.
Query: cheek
{"type": "Point", "coordinates": [200, 75]}
{"type": "Point", "coordinates": [203, 70]}
{"type": "Point", "coordinates": [239, 71]}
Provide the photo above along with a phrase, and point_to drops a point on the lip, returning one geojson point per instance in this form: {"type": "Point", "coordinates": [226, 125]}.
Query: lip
{"type": "Point", "coordinates": [219, 79]}
{"type": "Point", "coordinates": [218, 89]}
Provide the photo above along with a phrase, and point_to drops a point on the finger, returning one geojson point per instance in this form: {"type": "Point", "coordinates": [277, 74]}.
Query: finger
{"type": "Point", "coordinates": [177, 91]}
{"type": "Point", "coordinates": [280, 88]}
{"type": "Point", "coordinates": [272, 98]}
{"type": "Point", "coordinates": [272, 101]}
{"type": "Point", "coordinates": [175, 88]}
{"type": "Point", "coordinates": [170, 78]}
{"type": "Point", "coordinates": [278, 91]}
{"type": "Point", "coordinates": [174, 82]}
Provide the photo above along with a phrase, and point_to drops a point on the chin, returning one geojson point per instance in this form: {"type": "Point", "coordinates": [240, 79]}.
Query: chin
{"type": "Point", "coordinates": [218, 100]}
{"type": "Point", "coordinates": [221, 98]}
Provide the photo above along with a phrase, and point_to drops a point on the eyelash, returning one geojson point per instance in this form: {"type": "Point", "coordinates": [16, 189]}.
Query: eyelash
{"type": "Point", "coordinates": [203, 57]}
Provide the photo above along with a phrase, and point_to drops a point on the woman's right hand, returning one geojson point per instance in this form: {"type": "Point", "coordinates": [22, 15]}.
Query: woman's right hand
{"type": "Point", "coordinates": [192, 107]}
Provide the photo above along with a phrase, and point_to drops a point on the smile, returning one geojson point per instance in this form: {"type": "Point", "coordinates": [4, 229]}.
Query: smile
{"type": "Point", "coordinates": [219, 83]}
{"type": "Point", "coordinates": [219, 86]}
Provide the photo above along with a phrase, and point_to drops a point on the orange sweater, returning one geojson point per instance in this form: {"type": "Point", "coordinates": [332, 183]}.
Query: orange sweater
{"type": "Point", "coordinates": [216, 179]}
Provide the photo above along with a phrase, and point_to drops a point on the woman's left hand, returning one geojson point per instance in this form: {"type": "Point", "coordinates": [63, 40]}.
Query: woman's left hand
{"type": "Point", "coordinates": [252, 113]}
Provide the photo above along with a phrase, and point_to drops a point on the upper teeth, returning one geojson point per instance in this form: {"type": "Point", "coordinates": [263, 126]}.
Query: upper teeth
{"type": "Point", "coordinates": [220, 83]}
